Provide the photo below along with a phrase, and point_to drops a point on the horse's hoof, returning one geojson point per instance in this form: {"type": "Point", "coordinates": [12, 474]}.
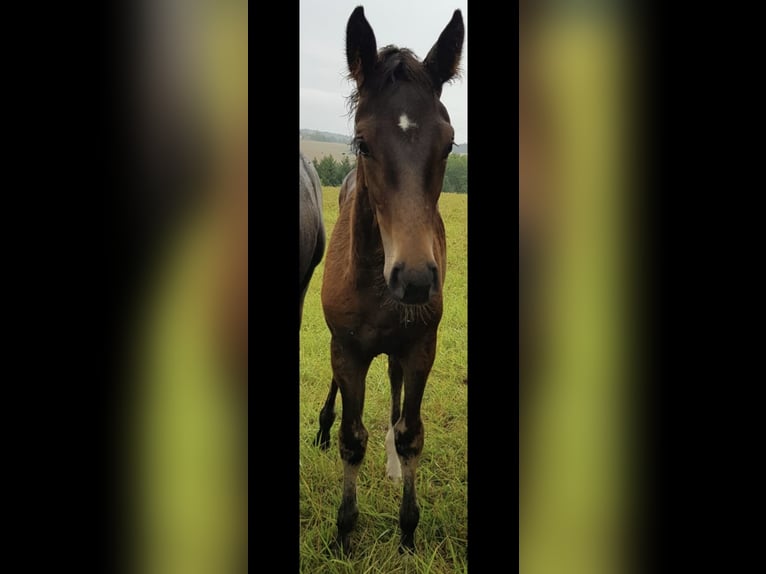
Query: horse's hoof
{"type": "Point", "coordinates": [322, 442]}
{"type": "Point", "coordinates": [407, 544]}
{"type": "Point", "coordinates": [343, 545]}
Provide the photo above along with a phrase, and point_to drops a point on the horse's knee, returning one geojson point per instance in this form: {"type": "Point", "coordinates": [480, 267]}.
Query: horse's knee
{"type": "Point", "coordinates": [353, 443]}
{"type": "Point", "coordinates": [408, 440]}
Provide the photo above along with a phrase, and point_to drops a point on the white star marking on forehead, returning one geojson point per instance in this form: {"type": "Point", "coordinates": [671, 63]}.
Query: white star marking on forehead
{"type": "Point", "coordinates": [405, 123]}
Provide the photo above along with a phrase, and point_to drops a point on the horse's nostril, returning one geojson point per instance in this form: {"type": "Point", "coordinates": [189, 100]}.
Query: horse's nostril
{"type": "Point", "coordinates": [395, 282]}
{"type": "Point", "coordinates": [395, 272]}
{"type": "Point", "coordinates": [434, 276]}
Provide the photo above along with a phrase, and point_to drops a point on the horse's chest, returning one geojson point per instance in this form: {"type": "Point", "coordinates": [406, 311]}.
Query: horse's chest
{"type": "Point", "coordinates": [361, 319]}
{"type": "Point", "coordinates": [380, 337]}
{"type": "Point", "coordinates": [382, 332]}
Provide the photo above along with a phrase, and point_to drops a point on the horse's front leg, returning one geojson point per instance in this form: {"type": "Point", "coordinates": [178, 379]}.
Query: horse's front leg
{"type": "Point", "coordinates": [349, 372]}
{"type": "Point", "coordinates": [409, 435]}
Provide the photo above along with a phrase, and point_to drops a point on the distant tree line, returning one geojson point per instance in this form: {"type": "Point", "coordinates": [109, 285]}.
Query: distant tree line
{"type": "Point", "coordinates": [331, 172]}
{"type": "Point", "coordinates": [456, 174]}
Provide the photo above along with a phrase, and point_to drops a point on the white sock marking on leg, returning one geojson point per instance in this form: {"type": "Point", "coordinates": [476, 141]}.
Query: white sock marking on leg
{"type": "Point", "coordinates": [393, 467]}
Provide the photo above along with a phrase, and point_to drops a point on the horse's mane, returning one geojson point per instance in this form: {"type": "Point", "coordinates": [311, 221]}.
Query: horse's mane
{"type": "Point", "coordinates": [393, 65]}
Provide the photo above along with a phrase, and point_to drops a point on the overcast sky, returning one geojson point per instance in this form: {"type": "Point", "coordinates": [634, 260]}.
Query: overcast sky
{"type": "Point", "coordinates": [413, 24]}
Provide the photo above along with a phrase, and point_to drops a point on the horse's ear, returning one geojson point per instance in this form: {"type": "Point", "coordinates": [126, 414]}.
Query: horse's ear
{"type": "Point", "coordinates": [361, 48]}
{"type": "Point", "coordinates": [444, 58]}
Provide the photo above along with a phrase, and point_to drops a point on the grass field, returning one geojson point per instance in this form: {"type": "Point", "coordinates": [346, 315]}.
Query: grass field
{"type": "Point", "coordinates": [312, 149]}
{"type": "Point", "coordinates": [442, 535]}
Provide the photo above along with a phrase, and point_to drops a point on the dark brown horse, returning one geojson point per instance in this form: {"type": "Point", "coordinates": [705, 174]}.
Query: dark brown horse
{"type": "Point", "coordinates": [312, 236]}
{"type": "Point", "coordinates": [385, 264]}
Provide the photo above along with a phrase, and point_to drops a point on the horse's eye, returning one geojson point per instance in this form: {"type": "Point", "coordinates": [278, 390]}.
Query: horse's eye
{"type": "Point", "coordinates": [362, 147]}
{"type": "Point", "coordinates": [448, 150]}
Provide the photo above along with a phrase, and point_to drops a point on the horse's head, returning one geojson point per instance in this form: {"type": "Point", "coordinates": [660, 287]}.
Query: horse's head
{"type": "Point", "coordinates": [403, 137]}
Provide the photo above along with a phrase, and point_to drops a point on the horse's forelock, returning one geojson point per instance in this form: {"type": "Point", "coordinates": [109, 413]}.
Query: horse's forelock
{"type": "Point", "coordinates": [393, 65]}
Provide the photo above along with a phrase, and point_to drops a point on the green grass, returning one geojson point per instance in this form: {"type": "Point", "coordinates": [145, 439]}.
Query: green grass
{"type": "Point", "coordinates": [441, 536]}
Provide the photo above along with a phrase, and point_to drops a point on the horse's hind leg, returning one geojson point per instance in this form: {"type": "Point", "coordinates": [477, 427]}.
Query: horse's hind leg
{"type": "Point", "coordinates": [326, 418]}
{"type": "Point", "coordinates": [395, 374]}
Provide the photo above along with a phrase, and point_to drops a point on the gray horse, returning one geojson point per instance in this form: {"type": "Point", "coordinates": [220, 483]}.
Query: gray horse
{"type": "Point", "coordinates": [312, 234]}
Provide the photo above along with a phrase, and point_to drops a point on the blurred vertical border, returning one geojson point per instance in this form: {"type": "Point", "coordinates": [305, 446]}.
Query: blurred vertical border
{"type": "Point", "coordinates": [180, 418]}
{"type": "Point", "coordinates": [580, 89]}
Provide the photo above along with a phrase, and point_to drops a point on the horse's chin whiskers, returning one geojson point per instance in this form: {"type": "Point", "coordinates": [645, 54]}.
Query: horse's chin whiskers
{"type": "Point", "coordinates": [408, 314]}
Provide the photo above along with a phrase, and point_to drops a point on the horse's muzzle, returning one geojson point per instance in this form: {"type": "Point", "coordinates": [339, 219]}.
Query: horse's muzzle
{"type": "Point", "coordinates": [414, 285]}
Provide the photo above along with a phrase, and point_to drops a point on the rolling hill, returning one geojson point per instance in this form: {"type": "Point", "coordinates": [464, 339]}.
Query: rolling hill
{"type": "Point", "coordinates": [314, 149]}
